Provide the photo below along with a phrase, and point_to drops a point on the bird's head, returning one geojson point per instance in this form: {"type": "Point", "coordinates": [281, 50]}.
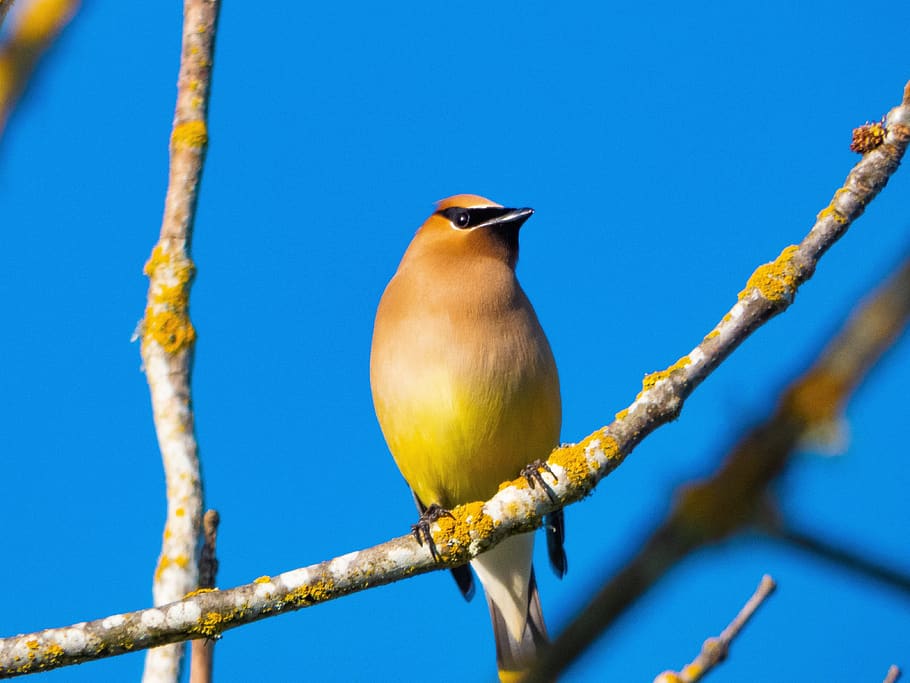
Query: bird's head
{"type": "Point", "coordinates": [467, 225]}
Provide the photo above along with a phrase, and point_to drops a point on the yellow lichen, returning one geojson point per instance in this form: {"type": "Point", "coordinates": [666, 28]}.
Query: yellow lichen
{"type": "Point", "coordinates": [575, 463]}
{"type": "Point", "coordinates": [713, 333]}
{"type": "Point", "coordinates": [513, 508]}
{"type": "Point", "coordinates": [693, 671]}
{"type": "Point", "coordinates": [167, 319]}
{"type": "Point", "coordinates": [655, 377]}
{"type": "Point", "coordinates": [179, 268]}
{"type": "Point", "coordinates": [165, 561]}
{"type": "Point", "coordinates": [263, 579]}
{"type": "Point", "coordinates": [466, 523]}
{"type": "Point", "coordinates": [32, 644]}
{"type": "Point", "coordinates": [158, 259]}
{"type": "Point", "coordinates": [817, 399]}
{"type": "Point", "coordinates": [40, 20]}
{"type": "Point", "coordinates": [200, 591]}
{"type": "Point", "coordinates": [210, 624]}
{"type": "Point", "coordinates": [622, 414]}
{"type": "Point", "coordinates": [307, 595]}
{"type": "Point", "coordinates": [775, 281]}
{"type": "Point", "coordinates": [171, 331]}
{"type": "Point", "coordinates": [189, 134]}
{"type": "Point", "coordinates": [830, 212]}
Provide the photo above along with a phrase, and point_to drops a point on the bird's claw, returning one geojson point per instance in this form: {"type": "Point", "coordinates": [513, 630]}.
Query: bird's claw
{"type": "Point", "coordinates": [532, 474]}
{"type": "Point", "coordinates": [421, 530]}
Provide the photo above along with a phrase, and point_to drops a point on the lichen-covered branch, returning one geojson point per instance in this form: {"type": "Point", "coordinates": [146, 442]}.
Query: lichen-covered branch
{"type": "Point", "coordinates": [37, 26]}
{"type": "Point", "coordinates": [475, 527]}
{"type": "Point", "coordinates": [168, 335]}
{"type": "Point", "coordinates": [715, 650]}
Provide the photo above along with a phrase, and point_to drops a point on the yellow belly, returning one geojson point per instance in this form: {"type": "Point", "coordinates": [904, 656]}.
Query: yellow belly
{"type": "Point", "coordinates": [461, 417]}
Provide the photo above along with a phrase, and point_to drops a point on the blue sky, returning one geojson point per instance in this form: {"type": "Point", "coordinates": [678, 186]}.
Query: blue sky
{"type": "Point", "coordinates": [667, 151]}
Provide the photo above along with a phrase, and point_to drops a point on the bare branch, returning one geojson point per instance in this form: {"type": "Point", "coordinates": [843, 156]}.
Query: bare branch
{"type": "Point", "coordinates": [893, 674]}
{"type": "Point", "coordinates": [168, 335]}
{"type": "Point", "coordinates": [715, 650]}
{"type": "Point", "coordinates": [208, 561]}
{"type": "Point", "coordinates": [37, 26]}
{"type": "Point", "coordinates": [841, 556]}
{"type": "Point", "coordinates": [202, 652]}
{"type": "Point", "coordinates": [4, 8]}
{"type": "Point", "coordinates": [476, 527]}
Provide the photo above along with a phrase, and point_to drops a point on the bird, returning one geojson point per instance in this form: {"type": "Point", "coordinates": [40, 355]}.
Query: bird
{"type": "Point", "coordinates": [466, 392]}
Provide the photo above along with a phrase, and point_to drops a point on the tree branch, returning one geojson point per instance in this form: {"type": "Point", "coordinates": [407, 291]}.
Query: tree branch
{"type": "Point", "coordinates": [168, 335]}
{"type": "Point", "coordinates": [715, 650]}
{"type": "Point", "coordinates": [476, 527]}
{"type": "Point", "coordinates": [4, 8]}
{"type": "Point", "coordinates": [202, 653]}
{"type": "Point", "coordinates": [37, 26]}
{"type": "Point", "coordinates": [842, 557]}
{"type": "Point", "coordinates": [893, 675]}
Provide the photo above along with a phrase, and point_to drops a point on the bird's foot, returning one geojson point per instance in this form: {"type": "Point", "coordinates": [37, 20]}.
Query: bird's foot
{"type": "Point", "coordinates": [421, 530]}
{"type": "Point", "coordinates": [532, 474]}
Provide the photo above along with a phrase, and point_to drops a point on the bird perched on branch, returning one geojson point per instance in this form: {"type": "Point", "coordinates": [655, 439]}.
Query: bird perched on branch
{"type": "Point", "coordinates": [467, 395]}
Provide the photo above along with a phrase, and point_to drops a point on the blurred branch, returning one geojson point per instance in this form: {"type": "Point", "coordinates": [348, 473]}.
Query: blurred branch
{"type": "Point", "coordinates": [203, 649]}
{"type": "Point", "coordinates": [893, 674]}
{"type": "Point", "coordinates": [476, 527]}
{"type": "Point", "coordinates": [843, 557]}
{"type": "Point", "coordinates": [715, 650]}
{"type": "Point", "coordinates": [4, 8]}
{"type": "Point", "coordinates": [168, 335]}
{"type": "Point", "coordinates": [37, 25]}
{"type": "Point", "coordinates": [736, 494]}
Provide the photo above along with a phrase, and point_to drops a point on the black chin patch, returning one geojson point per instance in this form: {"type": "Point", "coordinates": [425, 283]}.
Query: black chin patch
{"type": "Point", "coordinates": [507, 233]}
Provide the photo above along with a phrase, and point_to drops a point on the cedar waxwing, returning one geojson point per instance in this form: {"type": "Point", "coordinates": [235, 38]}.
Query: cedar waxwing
{"type": "Point", "coordinates": [467, 395]}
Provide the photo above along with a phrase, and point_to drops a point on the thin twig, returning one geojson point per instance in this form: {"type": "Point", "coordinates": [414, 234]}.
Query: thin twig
{"type": "Point", "coordinates": [168, 335]}
{"type": "Point", "coordinates": [37, 25]}
{"type": "Point", "coordinates": [715, 650]}
{"type": "Point", "coordinates": [202, 651]}
{"type": "Point", "coordinates": [841, 556]}
{"type": "Point", "coordinates": [893, 675]}
{"type": "Point", "coordinates": [516, 508]}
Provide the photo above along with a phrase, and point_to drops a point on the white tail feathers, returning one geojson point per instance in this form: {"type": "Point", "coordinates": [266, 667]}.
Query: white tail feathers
{"type": "Point", "coordinates": [507, 576]}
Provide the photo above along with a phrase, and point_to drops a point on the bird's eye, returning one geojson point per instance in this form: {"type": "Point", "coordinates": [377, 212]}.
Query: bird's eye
{"type": "Point", "coordinates": [460, 217]}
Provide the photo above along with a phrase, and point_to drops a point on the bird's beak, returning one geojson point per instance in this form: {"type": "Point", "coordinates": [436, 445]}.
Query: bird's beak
{"type": "Point", "coordinates": [513, 217]}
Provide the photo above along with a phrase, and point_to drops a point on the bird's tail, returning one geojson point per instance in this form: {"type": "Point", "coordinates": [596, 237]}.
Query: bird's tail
{"type": "Point", "coordinates": [511, 589]}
